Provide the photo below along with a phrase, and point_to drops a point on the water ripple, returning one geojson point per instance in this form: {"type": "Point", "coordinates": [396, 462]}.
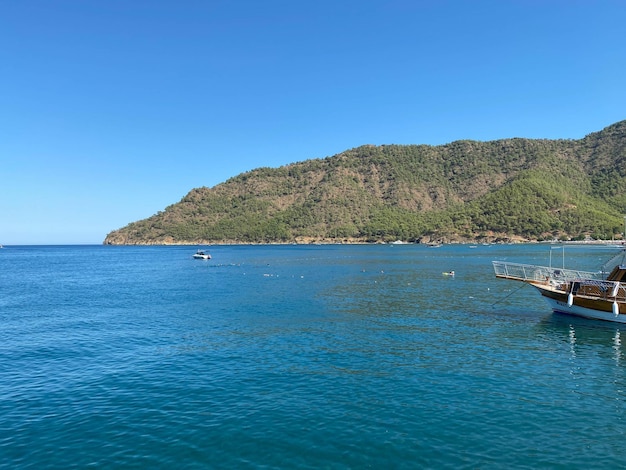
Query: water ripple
{"type": "Point", "coordinates": [296, 357]}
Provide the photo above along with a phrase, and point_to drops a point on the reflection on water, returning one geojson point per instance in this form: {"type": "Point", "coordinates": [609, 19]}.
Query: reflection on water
{"type": "Point", "coordinates": [617, 346]}
{"type": "Point", "coordinates": [572, 341]}
{"type": "Point", "coordinates": [585, 334]}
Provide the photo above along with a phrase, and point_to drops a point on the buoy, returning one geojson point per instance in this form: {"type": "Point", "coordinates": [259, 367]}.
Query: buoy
{"type": "Point", "coordinates": [570, 299]}
{"type": "Point", "coordinates": [615, 309]}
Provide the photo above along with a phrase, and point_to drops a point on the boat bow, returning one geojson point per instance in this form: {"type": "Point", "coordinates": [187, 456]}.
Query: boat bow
{"type": "Point", "coordinates": [587, 294]}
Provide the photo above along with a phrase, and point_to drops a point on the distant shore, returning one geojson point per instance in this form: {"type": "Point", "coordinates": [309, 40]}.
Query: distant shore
{"type": "Point", "coordinates": [354, 241]}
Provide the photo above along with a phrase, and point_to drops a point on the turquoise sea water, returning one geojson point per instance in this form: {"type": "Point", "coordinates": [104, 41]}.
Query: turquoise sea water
{"type": "Point", "coordinates": [300, 357]}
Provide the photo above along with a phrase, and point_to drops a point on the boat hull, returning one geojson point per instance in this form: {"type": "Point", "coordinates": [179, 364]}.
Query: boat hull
{"type": "Point", "coordinates": [596, 309]}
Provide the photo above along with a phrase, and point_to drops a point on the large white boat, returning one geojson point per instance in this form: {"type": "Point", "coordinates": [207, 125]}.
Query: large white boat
{"type": "Point", "coordinates": [598, 295]}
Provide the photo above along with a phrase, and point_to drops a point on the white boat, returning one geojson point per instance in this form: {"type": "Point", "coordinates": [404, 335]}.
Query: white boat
{"type": "Point", "coordinates": [600, 295]}
{"type": "Point", "coordinates": [201, 254]}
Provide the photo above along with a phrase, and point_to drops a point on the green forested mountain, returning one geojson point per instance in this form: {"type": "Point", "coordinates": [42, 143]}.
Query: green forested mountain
{"type": "Point", "coordinates": [500, 190]}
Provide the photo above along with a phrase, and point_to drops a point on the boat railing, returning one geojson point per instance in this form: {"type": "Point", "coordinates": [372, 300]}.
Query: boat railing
{"type": "Point", "coordinates": [599, 289]}
{"type": "Point", "coordinates": [529, 272]}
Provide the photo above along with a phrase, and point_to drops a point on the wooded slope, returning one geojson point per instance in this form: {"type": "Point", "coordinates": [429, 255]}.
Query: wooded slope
{"type": "Point", "coordinates": [463, 191]}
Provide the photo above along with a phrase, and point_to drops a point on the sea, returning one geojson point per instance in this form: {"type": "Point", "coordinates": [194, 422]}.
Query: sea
{"type": "Point", "coordinates": [301, 357]}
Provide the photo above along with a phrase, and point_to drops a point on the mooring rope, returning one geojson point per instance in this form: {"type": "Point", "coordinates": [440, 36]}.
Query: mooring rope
{"type": "Point", "coordinates": [509, 295]}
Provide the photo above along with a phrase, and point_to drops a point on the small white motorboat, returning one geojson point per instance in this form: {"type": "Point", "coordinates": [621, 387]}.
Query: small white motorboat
{"type": "Point", "coordinates": [201, 254]}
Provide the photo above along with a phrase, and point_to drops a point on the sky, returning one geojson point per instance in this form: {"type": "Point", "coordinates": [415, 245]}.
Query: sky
{"type": "Point", "coordinates": [110, 111]}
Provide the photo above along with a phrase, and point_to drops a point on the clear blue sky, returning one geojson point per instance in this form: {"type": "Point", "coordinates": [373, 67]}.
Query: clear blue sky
{"type": "Point", "coordinates": [112, 110]}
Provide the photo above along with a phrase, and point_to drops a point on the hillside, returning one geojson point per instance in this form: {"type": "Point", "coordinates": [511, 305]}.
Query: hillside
{"type": "Point", "coordinates": [463, 191]}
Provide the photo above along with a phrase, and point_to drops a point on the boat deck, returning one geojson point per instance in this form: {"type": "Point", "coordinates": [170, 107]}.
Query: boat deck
{"type": "Point", "coordinates": [579, 283]}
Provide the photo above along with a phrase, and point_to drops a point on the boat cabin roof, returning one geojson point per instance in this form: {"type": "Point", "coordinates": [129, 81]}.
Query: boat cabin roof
{"type": "Point", "coordinates": [618, 274]}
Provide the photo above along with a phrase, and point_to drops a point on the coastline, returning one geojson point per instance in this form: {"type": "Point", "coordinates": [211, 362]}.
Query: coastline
{"type": "Point", "coordinates": [356, 241]}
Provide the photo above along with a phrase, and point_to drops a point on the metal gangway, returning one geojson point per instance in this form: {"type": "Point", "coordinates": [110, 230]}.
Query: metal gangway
{"type": "Point", "coordinates": [530, 272]}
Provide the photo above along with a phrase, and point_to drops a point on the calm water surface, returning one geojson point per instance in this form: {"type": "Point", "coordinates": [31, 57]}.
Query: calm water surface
{"type": "Point", "coordinates": [300, 357]}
